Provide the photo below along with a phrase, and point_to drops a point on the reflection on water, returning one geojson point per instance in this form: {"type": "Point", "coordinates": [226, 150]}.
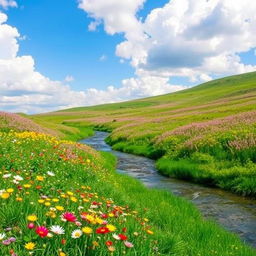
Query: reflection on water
{"type": "Point", "coordinates": [235, 213]}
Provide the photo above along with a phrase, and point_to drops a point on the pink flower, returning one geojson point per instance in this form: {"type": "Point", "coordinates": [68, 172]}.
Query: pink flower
{"type": "Point", "coordinates": [68, 216]}
{"type": "Point", "coordinates": [42, 231]}
{"type": "Point", "coordinates": [78, 223]}
{"type": "Point", "coordinates": [31, 225]}
{"type": "Point", "coordinates": [128, 244]}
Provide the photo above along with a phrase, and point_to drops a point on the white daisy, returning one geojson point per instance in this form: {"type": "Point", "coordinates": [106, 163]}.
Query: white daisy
{"type": "Point", "coordinates": [58, 230]}
{"type": "Point", "coordinates": [115, 236]}
{"type": "Point", "coordinates": [76, 233]}
{"type": "Point", "coordinates": [2, 236]}
{"type": "Point", "coordinates": [18, 177]}
{"type": "Point", "coordinates": [51, 173]}
{"type": "Point", "coordinates": [6, 176]}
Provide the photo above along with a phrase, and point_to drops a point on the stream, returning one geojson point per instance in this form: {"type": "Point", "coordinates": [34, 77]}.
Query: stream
{"type": "Point", "coordinates": [235, 213]}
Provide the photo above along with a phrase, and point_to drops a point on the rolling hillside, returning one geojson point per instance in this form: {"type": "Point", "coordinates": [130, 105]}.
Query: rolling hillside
{"type": "Point", "coordinates": [206, 134]}
{"type": "Point", "coordinates": [55, 192]}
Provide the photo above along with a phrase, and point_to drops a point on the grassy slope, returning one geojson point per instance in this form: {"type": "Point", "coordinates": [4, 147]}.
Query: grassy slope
{"type": "Point", "coordinates": [151, 126]}
{"type": "Point", "coordinates": [146, 127]}
{"type": "Point", "coordinates": [178, 227]}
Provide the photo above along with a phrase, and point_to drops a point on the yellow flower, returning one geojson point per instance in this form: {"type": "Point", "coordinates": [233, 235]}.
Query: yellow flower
{"type": "Point", "coordinates": [149, 232]}
{"type": "Point", "coordinates": [70, 193]}
{"type": "Point", "coordinates": [51, 214]}
{"type": "Point", "coordinates": [47, 203]}
{"type": "Point", "coordinates": [19, 199]}
{"type": "Point", "coordinates": [90, 218]}
{"type": "Point", "coordinates": [95, 243]}
{"type": "Point", "coordinates": [62, 254]}
{"type": "Point", "coordinates": [111, 248]}
{"type": "Point", "coordinates": [10, 190]}
{"type": "Point", "coordinates": [30, 246]}
{"type": "Point", "coordinates": [73, 199]}
{"type": "Point", "coordinates": [40, 201]}
{"type": "Point", "coordinates": [87, 230]}
{"type": "Point", "coordinates": [26, 185]}
{"type": "Point", "coordinates": [39, 178]}
{"type": "Point", "coordinates": [99, 221]}
{"type": "Point", "coordinates": [5, 195]}
{"type": "Point", "coordinates": [111, 214]}
{"type": "Point", "coordinates": [59, 208]}
{"type": "Point", "coordinates": [111, 228]}
{"type": "Point", "coordinates": [55, 200]}
{"type": "Point", "coordinates": [32, 218]}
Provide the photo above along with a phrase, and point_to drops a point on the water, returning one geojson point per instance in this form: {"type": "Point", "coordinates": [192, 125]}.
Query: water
{"type": "Point", "coordinates": [235, 213]}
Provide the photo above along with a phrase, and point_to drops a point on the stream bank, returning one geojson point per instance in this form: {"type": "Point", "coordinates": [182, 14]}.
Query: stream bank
{"type": "Point", "coordinates": [234, 213]}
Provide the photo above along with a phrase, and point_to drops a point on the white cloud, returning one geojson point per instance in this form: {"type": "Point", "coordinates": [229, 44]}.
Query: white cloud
{"type": "Point", "coordinates": [23, 89]}
{"type": "Point", "coordinates": [8, 3]}
{"type": "Point", "coordinates": [196, 39]}
{"type": "Point", "coordinates": [187, 35]}
{"type": "Point", "coordinates": [118, 16]}
{"type": "Point", "coordinates": [8, 42]}
{"type": "Point", "coordinates": [69, 79]}
{"type": "Point", "coordinates": [93, 25]}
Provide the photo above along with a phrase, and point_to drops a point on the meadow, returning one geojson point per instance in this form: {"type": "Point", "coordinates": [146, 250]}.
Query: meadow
{"type": "Point", "coordinates": [205, 134]}
{"type": "Point", "coordinates": [58, 197]}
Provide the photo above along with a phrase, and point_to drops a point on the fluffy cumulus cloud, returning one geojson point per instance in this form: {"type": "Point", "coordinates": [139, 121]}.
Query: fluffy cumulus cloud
{"type": "Point", "coordinates": [22, 88]}
{"type": "Point", "coordinates": [118, 16]}
{"type": "Point", "coordinates": [194, 39]}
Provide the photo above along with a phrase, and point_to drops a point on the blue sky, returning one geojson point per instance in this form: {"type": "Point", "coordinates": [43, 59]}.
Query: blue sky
{"type": "Point", "coordinates": [139, 48]}
{"type": "Point", "coordinates": [61, 44]}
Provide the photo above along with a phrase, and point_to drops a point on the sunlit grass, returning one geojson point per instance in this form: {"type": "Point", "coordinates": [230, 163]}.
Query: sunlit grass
{"type": "Point", "coordinates": [43, 178]}
{"type": "Point", "coordinates": [222, 112]}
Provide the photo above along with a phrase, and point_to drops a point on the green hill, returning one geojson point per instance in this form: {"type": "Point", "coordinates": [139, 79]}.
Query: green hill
{"type": "Point", "coordinates": [205, 134]}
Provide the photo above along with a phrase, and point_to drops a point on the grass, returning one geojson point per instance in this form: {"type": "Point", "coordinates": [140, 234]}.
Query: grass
{"type": "Point", "coordinates": [41, 174]}
{"type": "Point", "coordinates": [216, 120]}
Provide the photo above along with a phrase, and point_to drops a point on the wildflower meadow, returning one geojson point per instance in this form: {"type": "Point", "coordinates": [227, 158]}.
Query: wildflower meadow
{"type": "Point", "coordinates": [61, 198]}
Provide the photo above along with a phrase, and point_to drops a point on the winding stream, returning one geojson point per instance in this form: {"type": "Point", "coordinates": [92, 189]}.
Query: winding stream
{"type": "Point", "coordinates": [235, 213]}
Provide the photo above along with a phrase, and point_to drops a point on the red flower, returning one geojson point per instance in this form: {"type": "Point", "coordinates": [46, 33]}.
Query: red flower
{"type": "Point", "coordinates": [102, 230]}
{"type": "Point", "coordinates": [42, 231]}
{"type": "Point", "coordinates": [104, 216]}
{"type": "Point", "coordinates": [68, 216]}
{"type": "Point", "coordinates": [109, 243]}
{"type": "Point", "coordinates": [122, 237]}
{"type": "Point", "coordinates": [124, 229]}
